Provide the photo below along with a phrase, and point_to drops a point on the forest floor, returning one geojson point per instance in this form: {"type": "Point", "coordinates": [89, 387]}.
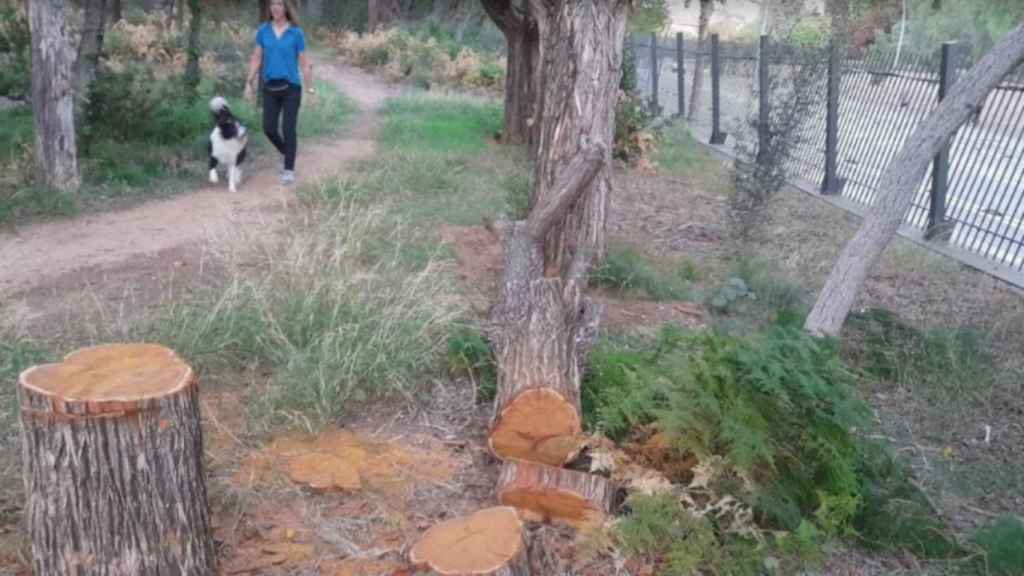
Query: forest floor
{"type": "Point", "coordinates": [416, 460]}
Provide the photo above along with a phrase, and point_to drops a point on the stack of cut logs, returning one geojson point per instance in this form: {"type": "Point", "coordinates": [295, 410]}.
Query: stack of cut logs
{"type": "Point", "coordinates": [536, 430]}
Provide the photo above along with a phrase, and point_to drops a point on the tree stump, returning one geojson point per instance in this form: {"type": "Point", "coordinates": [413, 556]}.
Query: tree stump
{"type": "Point", "coordinates": [489, 541]}
{"type": "Point", "coordinates": [558, 495]}
{"type": "Point", "coordinates": [113, 470]}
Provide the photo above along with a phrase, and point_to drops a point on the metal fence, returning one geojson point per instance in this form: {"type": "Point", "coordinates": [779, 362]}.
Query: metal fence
{"type": "Point", "coordinates": [971, 200]}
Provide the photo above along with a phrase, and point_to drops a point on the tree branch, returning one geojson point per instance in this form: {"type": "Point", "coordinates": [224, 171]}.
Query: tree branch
{"type": "Point", "coordinates": [503, 13]}
{"type": "Point", "coordinates": [577, 176]}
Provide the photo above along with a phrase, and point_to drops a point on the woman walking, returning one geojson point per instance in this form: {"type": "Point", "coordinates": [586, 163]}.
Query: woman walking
{"type": "Point", "coordinates": [281, 47]}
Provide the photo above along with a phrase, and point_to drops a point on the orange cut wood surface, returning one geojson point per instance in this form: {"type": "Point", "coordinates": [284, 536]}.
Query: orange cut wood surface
{"type": "Point", "coordinates": [479, 543]}
{"type": "Point", "coordinates": [538, 426]}
{"type": "Point", "coordinates": [111, 372]}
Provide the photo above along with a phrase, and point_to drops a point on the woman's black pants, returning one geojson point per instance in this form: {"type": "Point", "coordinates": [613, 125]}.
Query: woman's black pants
{"type": "Point", "coordinates": [276, 103]}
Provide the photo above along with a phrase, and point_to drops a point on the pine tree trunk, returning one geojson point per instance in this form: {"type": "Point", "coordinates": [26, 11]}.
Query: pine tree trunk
{"type": "Point", "coordinates": [113, 465]}
{"type": "Point", "coordinates": [523, 95]}
{"type": "Point", "coordinates": [707, 8]}
{"type": "Point", "coordinates": [116, 12]}
{"type": "Point", "coordinates": [91, 44]}
{"type": "Point", "coordinates": [555, 495]}
{"type": "Point", "coordinates": [900, 181]}
{"type": "Point", "coordinates": [192, 71]}
{"type": "Point", "coordinates": [543, 324]}
{"type": "Point", "coordinates": [53, 96]}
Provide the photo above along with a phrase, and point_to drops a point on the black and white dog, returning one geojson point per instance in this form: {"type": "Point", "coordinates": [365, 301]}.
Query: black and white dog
{"type": "Point", "coordinates": [227, 143]}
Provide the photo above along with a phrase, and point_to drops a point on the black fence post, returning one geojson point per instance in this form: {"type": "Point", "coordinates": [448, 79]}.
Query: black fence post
{"type": "Point", "coordinates": [681, 73]}
{"type": "Point", "coordinates": [717, 136]}
{"type": "Point", "coordinates": [937, 224]}
{"type": "Point", "coordinates": [832, 184]}
{"type": "Point", "coordinates": [654, 73]}
{"type": "Point", "coordinates": [762, 90]}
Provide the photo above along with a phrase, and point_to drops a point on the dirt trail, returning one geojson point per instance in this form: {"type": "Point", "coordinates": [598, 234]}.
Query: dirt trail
{"type": "Point", "coordinates": [64, 255]}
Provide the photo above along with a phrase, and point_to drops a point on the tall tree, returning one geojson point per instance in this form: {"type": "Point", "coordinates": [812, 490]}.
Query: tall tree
{"type": "Point", "coordinates": [53, 96]}
{"type": "Point", "coordinates": [116, 12]}
{"type": "Point", "coordinates": [383, 13]}
{"type": "Point", "coordinates": [523, 96]}
{"type": "Point", "coordinates": [707, 9]}
{"type": "Point", "coordinates": [91, 44]}
{"type": "Point", "coordinates": [543, 323]}
{"type": "Point", "coordinates": [192, 73]}
{"type": "Point", "coordinates": [900, 181]}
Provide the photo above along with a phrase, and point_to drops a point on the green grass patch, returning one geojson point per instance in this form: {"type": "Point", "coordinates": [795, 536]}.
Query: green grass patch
{"type": "Point", "coordinates": [678, 152]}
{"type": "Point", "coordinates": [469, 355]}
{"type": "Point", "coordinates": [17, 354]}
{"type": "Point", "coordinates": [1003, 546]}
{"type": "Point", "coordinates": [626, 270]}
{"type": "Point", "coordinates": [442, 125]}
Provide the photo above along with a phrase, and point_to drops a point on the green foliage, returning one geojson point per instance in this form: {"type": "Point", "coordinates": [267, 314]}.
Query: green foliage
{"type": "Point", "coordinates": [659, 530]}
{"type": "Point", "coordinates": [470, 355]}
{"type": "Point", "coordinates": [17, 354]}
{"type": "Point", "coordinates": [650, 16]}
{"type": "Point", "coordinates": [727, 296]}
{"type": "Point", "coordinates": [944, 362]}
{"type": "Point", "coordinates": [978, 25]}
{"type": "Point", "coordinates": [679, 153]}
{"type": "Point", "coordinates": [896, 514]}
{"type": "Point", "coordinates": [15, 50]}
{"type": "Point", "coordinates": [778, 406]}
{"type": "Point", "coordinates": [811, 31]}
{"type": "Point", "coordinates": [634, 133]}
{"type": "Point", "coordinates": [626, 270]}
{"type": "Point", "coordinates": [628, 82]}
{"type": "Point", "coordinates": [1003, 544]}
{"type": "Point", "coordinates": [439, 125]}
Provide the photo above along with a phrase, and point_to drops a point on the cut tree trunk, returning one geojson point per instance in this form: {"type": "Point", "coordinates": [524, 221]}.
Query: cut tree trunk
{"type": "Point", "coordinates": [901, 180]}
{"type": "Point", "coordinates": [488, 542]}
{"type": "Point", "coordinates": [707, 8]}
{"type": "Point", "coordinates": [91, 45]}
{"type": "Point", "coordinates": [113, 464]}
{"type": "Point", "coordinates": [53, 107]}
{"type": "Point", "coordinates": [557, 495]}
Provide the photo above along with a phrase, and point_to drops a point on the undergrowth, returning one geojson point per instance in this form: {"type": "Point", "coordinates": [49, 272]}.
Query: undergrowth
{"type": "Point", "coordinates": [626, 270]}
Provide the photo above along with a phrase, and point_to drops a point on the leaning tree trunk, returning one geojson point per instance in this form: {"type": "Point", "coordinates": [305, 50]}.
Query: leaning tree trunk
{"type": "Point", "coordinates": [707, 7]}
{"type": "Point", "coordinates": [192, 72]}
{"type": "Point", "coordinates": [91, 44]}
{"type": "Point", "coordinates": [113, 464]}
{"type": "Point", "coordinates": [53, 96]}
{"type": "Point", "coordinates": [901, 180]}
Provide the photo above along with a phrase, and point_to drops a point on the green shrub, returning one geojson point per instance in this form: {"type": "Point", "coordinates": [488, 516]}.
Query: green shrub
{"type": "Point", "coordinates": [626, 270]}
{"type": "Point", "coordinates": [778, 406]}
{"type": "Point", "coordinates": [634, 135]}
{"type": "Point", "coordinates": [659, 530]}
{"type": "Point", "coordinates": [1003, 544]}
{"type": "Point", "coordinates": [15, 67]}
{"type": "Point", "coordinates": [470, 355]}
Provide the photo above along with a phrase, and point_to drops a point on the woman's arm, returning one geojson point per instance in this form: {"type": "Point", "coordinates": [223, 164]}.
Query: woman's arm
{"type": "Point", "coordinates": [307, 71]}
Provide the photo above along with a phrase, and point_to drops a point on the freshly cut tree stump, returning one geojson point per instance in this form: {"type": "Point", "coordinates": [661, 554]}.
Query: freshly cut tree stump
{"type": "Point", "coordinates": [113, 470]}
{"type": "Point", "coordinates": [489, 541]}
{"type": "Point", "coordinates": [558, 495]}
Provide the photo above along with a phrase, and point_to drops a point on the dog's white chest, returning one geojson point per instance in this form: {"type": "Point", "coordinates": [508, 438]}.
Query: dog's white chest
{"type": "Point", "coordinates": [227, 150]}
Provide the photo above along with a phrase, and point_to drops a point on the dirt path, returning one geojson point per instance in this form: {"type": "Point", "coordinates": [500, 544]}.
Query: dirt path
{"type": "Point", "coordinates": [41, 261]}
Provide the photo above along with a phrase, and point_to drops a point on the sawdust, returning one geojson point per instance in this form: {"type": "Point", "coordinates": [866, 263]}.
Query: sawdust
{"type": "Point", "coordinates": [342, 460]}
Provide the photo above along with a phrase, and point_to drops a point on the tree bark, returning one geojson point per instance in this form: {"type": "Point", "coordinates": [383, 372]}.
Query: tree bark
{"type": "Point", "coordinates": [113, 465]}
{"type": "Point", "coordinates": [192, 71]}
{"type": "Point", "coordinates": [382, 13]}
{"type": "Point", "coordinates": [556, 495]}
{"type": "Point", "coordinates": [900, 181]}
{"type": "Point", "coordinates": [523, 95]}
{"type": "Point", "coordinates": [116, 12]}
{"type": "Point", "coordinates": [707, 8]}
{"type": "Point", "coordinates": [53, 96]}
{"type": "Point", "coordinates": [91, 44]}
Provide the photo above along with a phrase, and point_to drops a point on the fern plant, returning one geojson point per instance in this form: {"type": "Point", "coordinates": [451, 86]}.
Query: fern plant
{"type": "Point", "coordinates": [778, 406]}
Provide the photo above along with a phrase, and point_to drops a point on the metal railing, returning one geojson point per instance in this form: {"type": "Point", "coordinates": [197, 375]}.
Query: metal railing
{"type": "Point", "coordinates": [971, 200]}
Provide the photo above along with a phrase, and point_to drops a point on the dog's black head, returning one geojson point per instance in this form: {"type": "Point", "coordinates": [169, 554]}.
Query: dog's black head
{"type": "Point", "coordinates": [223, 117]}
